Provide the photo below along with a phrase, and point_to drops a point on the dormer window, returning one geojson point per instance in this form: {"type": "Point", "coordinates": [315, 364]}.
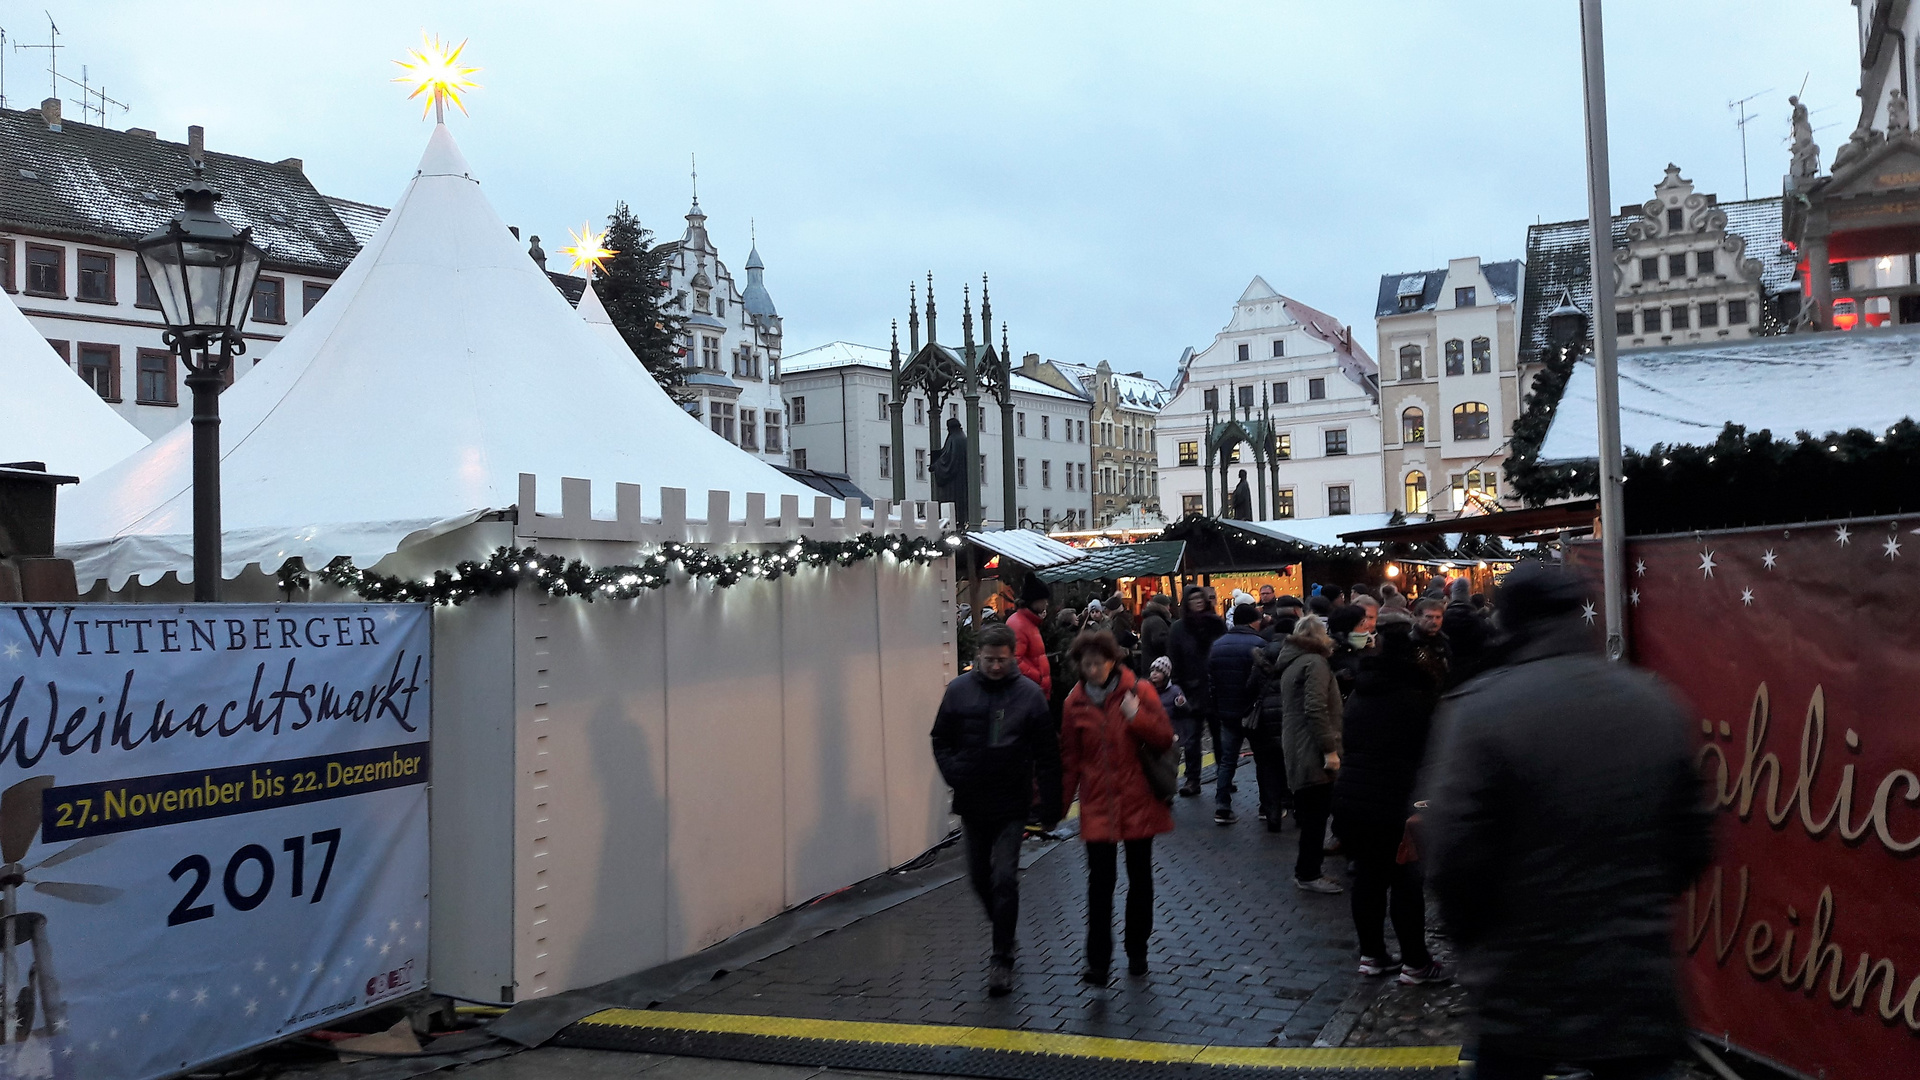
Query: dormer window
{"type": "Point", "coordinates": [1410, 303]}
{"type": "Point", "coordinates": [1465, 296]}
{"type": "Point", "coordinates": [1676, 219]}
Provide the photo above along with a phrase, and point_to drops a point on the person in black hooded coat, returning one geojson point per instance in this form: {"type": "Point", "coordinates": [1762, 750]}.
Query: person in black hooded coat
{"type": "Point", "coordinates": [1188, 645]}
{"type": "Point", "coordinates": [1384, 739]}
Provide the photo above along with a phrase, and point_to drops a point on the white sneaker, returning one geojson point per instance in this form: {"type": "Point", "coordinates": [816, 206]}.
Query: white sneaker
{"type": "Point", "coordinates": [1321, 884]}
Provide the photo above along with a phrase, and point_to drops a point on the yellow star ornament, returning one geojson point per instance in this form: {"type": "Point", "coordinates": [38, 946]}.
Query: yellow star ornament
{"type": "Point", "coordinates": [434, 70]}
{"type": "Point", "coordinates": [588, 252]}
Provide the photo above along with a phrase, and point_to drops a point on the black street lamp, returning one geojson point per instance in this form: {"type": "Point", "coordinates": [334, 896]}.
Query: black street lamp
{"type": "Point", "coordinates": [1566, 324]}
{"type": "Point", "coordinates": [203, 273]}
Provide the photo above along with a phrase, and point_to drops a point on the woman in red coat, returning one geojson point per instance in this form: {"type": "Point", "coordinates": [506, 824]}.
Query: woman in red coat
{"type": "Point", "coordinates": [1029, 647]}
{"type": "Point", "coordinates": [1106, 721]}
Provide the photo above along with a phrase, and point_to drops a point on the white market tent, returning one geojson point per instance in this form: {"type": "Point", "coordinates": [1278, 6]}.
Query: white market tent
{"type": "Point", "coordinates": [1314, 532]}
{"type": "Point", "coordinates": [1797, 382]}
{"type": "Point", "coordinates": [47, 413]}
{"type": "Point", "coordinates": [441, 366]}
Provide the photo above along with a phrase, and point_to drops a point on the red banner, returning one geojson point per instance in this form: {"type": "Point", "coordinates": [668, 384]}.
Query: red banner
{"type": "Point", "coordinates": [1799, 651]}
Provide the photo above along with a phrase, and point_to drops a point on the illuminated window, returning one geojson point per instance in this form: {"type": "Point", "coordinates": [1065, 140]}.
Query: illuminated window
{"type": "Point", "coordinates": [1456, 357]}
{"type": "Point", "coordinates": [1190, 452]}
{"type": "Point", "coordinates": [1482, 356]}
{"type": "Point", "coordinates": [1416, 492]}
{"type": "Point", "coordinates": [1413, 426]}
{"type": "Point", "coordinates": [1471, 421]}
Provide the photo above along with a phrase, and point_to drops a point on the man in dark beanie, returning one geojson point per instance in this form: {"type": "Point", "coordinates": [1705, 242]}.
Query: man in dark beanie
{"type": "Point", "coordinates": [1030, 647]}
{"type": "Point", "coordinates": [1564, 819]}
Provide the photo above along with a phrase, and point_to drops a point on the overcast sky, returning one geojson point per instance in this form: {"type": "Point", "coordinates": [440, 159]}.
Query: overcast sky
{"type": "Point", "coordinates": [1122, 170]}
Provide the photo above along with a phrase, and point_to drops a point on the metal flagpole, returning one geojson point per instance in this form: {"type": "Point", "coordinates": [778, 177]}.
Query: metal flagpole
{"type": "Point", "coordinates": [1606, 376]}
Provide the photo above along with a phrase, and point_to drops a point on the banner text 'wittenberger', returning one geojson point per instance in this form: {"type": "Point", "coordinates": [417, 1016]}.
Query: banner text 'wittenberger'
{"type": "Point", "coordinates": [32, 722]}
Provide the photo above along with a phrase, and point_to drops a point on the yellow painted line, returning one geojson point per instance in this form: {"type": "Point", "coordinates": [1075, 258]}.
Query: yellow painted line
{"type": "Point", "coordinates": [1032, 1042]}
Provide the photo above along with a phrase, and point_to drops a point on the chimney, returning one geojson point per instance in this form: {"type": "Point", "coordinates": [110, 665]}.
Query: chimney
{"type": "Point", "coordinates": [1030, 362]}
{"type": "Point", "coordinates": [293, 163]}
{"type": "Point", "coordinates": [50, 112]}
{"type": "Point", "coordinates": [197, 144]}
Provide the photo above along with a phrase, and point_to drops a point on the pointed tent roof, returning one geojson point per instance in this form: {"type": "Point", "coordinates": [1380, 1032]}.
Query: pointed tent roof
{"type": "Point", "coordinates": [438, 368]}
{"type": "Point", "coordinates": [47, 413]}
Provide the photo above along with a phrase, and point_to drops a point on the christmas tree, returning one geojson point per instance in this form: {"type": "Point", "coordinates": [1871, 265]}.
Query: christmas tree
{"type": "Point", "coordinates": [633, 286]}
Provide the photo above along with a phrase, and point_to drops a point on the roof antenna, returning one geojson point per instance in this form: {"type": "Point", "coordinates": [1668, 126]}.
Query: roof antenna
{"type": "Point", "coordinates": [1739, 109]}
{"type": "Point", "coordinates": [53, 48]}
{"type": "Point", "coordinates": [694, 164]}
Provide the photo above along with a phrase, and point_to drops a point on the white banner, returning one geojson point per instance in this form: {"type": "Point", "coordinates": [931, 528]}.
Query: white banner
{"type": "Point", "coordinates": [214, 827]}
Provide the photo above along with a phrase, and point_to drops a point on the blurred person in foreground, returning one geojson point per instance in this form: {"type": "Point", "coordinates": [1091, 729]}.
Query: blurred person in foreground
{"type": "Point", "coordinates": [994, 742]}
{"type": "Point", "coordinates": [1565, 817]}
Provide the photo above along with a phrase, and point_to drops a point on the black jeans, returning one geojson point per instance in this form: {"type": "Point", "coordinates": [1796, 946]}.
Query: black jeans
{"type": "Point", "coordinates": [1227, 734]}
{"type": "Point", "coordinates": [1378, 877]}
{"type": "Point", "coordinates": [1494, 1065]}
{"type": "Point", "coordinates": [1311, 806]}
{"type": "Point", "coordinates": [993, 865]}
{"type": "Point", "coordinates": [1270, 768]}
{"type": "Point", "coordinates": [1191, 745]}
{"type": "Point", "coordinates": [1102, 875]}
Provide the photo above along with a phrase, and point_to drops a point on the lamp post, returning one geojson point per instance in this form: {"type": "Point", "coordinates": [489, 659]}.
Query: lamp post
{"type": "Point", "coordinates": [1606, 389]}
{"type": "Point", "coordinates": [203, 273]}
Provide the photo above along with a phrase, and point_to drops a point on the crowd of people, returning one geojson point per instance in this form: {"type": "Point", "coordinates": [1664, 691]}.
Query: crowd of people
{"type": "Point", "coordinates": [1439, 742]}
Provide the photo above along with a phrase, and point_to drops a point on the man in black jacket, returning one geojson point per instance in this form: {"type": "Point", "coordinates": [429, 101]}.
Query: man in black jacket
{"type": "Point", "coordinates": [1229, 670]}
{"type": "Point", "coordinates": [1566, 817]}
{"type": "Point", "coordinates": [995, 743]}
{"type": "Point", "coordinates": [1466, 633]}
{"type": "Point", "coordinates": [1187, 646]}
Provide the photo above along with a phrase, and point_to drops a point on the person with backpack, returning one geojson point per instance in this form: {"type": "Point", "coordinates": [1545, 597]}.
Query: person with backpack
{"type": "Point", "coordinates": [1112, 723]}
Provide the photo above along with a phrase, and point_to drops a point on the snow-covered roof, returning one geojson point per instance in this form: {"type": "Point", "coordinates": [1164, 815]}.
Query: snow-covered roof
{"type": "Point", "coordinates": [1035, 550]}
{"type": "Point", "coordinates": [1503, 277]}
{"type": "Point", "coordinates": [441, 366]}
{"type": "Point", "coordinates": [1315, 532]}
{"type": "Point", "coordinates": [361, 219]}
{"type": "Point", "coordinates": [87, 181]}
{"type": "Point", "coordinates": [847, 353]}
{"type": "Point", "coordinates": [1136, 391]}
{"type": "Point", "coordinates": [1800, 382]}
{"type": "Point", "coordinates": [1557, 259]}
{"type": "Point", "coordinates": [47, 413]}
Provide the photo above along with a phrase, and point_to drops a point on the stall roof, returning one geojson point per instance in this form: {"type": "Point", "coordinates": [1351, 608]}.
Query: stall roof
{"type": "Point", "coordinates": [440, 366]}
{"type": "Point", "coordinates": [1313, 532]}
{"type": "Point", "coordinates": [1026, 547]}
{"type": "Point", "coordinates": [1799, 382]}
{"type": "Point", "coordinates": [1507, 523]}
{"type": "Point", "coordinates": [1150, 559]}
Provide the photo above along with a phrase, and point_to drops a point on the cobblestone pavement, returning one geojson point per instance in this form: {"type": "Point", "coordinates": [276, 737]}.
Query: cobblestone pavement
{"type": "Point", "coordinates": [1239, 956]}
{"type": "Point", "coordinates": [554, 1063]}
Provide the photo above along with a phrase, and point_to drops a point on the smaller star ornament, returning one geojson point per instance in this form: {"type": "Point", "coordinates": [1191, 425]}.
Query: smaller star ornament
{"type": "Point", "coordinates": [1843, 536]}
{"type": "Point", "coordinates": [1634, 598]}
{"type": "Point", "coordinates": [1640, 568]}
{"type": "Point", "coordinates": [1767, 560]}
{"type": "Point", "coordinates": [1706, 563]}
{"type": "Point", "coordinates": [589, 251]}
{"type": "Point", "coordinates": [1891, 549]}
{"type": "Point", "coordinates": [1746, 597]}
{"type": "Point", "coordinates": [1588, 611]}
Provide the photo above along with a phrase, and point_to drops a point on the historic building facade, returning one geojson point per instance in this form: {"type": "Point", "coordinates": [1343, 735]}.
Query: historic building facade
{"type": "Point", "coordinates": [1688, 269]}
{"type": "Point", "coordinates": [732, 342]}
{"type": "Point", "coordinates": [837, 395]}
{"type": "Point", "coordinates": [73, 199]}
{"type": "Point", "coordinates": [1449, 382]}
{"type": "Point", "coordinates": [1862, 222]}
{"type": "Point", "coordinates": [1317, 387]}
{"type": "Point", "coordinates": [1126, 408]}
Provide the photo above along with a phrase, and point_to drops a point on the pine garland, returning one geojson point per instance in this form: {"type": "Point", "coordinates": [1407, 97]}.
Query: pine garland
{"type": "Point", "coordinates": [508, 568]}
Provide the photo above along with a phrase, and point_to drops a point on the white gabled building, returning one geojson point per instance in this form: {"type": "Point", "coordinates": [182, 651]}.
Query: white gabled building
{"type": "Point", "coordinates": [837, 395]}
{"type": "Point", "coordinates": [1320, 389]}
{"type": "Point", "coordinates": [1449, 381]}
{"type": "Point", "coordinates": [732, 342]}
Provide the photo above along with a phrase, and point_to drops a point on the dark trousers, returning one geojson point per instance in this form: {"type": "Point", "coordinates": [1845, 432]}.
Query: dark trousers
{"type": "Point", "coordinates": [1494, 1065]}
{"type": "Point", "coordinates": [1192, 727]}
{"type": "Point", "coordinates": [1383, 887]}
{"type": "Point", "coordinates": [1311, 806]}
{"type": "Point", "coordinates": [993, 865]}
{"type": "Point", "coordinates": [1270, 768]}
{"type": "Point", "coordinates": [1226, 758]}
{"type": "Point", "coordinates": [1102, 875]}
